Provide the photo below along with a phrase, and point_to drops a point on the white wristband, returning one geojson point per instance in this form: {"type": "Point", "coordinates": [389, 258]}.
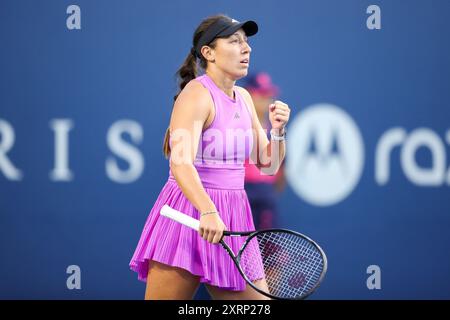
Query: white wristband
{"type": "Point", "coordinates": [277, 137]}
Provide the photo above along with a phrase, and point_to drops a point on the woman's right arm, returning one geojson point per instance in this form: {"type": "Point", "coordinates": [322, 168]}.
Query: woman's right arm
{"type": "Point", "coordinates": [190, 112]}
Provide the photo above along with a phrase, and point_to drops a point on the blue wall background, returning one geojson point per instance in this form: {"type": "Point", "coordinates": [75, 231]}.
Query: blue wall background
{"type": "Point", "coordinates": [121, 64]}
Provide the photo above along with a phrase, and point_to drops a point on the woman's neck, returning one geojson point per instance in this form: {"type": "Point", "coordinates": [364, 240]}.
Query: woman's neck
{"type": "Point", "coordinates": [222, 82]}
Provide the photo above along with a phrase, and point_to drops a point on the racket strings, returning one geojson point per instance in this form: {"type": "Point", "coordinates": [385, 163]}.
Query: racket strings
{"type": "Point", "coordinates": [290, 264]}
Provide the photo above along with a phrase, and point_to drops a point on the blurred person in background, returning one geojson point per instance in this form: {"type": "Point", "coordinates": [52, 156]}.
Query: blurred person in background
{"type": "Point", "coordinates": [263, 190]}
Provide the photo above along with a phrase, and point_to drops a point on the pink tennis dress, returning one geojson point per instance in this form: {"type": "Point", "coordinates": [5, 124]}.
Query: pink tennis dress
{"type": "Point", "coordinates": [223, 148]}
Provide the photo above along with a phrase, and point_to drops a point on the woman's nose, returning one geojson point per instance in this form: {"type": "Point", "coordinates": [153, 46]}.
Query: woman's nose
{"type": "Point", "coordinates": [247, 47]}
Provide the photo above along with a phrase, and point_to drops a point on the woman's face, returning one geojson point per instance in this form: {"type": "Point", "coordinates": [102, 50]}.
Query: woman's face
{"type": "Point", "coordinates": [232, 54]}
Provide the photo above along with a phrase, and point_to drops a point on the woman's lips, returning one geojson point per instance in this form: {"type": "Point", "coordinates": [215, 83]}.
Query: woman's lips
{"type": "Point", "coordinates": [244, 62]}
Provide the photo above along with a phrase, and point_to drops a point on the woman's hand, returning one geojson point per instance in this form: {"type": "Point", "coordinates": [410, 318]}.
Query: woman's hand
{"type": "Point", "coordinates": [279, 114]}
{"type": "Point", "coordinates": [211, 227]}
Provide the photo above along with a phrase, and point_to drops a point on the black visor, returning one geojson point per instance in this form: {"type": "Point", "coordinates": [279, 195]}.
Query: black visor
{"type": "Point", "coordinates": [225, 28]}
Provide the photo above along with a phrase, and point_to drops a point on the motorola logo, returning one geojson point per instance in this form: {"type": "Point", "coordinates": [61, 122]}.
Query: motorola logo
{"type": "Point", "coordinates": [326, 155]}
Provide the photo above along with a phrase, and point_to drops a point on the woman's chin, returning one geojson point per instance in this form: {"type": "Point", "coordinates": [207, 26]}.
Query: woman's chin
{"type": "Point", "coordinates": [240, 74]}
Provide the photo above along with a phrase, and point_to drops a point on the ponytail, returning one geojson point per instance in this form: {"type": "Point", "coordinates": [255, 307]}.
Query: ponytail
{"type": "Point", "coordinates": [186, 73]}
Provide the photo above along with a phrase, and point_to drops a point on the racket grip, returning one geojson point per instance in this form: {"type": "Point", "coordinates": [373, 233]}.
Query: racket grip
{"type": "Point", "coordinates": [180, 217]}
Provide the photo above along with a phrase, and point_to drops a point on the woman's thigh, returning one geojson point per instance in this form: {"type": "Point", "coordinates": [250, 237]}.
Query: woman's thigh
{"type": "Point", "coordinates": [170, 283]}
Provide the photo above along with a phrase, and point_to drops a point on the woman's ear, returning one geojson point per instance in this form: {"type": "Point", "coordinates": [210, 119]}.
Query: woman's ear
{"type": "Point", "coordinates": [208, 53]}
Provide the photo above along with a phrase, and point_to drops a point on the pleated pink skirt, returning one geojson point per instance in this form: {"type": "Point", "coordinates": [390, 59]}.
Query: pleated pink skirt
{"type": "Point", "coordinates": [168, 242]}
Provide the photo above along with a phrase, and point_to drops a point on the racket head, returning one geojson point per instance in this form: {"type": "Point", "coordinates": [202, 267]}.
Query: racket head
{"type": "Point", "coordinates": [293, 264]}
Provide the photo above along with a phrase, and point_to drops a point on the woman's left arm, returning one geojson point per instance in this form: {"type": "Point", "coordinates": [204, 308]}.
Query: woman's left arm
{"type": "Point", "coordinates": [268, 155]}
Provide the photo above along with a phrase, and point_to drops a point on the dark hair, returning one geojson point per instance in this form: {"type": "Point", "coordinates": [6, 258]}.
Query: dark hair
{"type": "Point", "coordinates": [188, 69]}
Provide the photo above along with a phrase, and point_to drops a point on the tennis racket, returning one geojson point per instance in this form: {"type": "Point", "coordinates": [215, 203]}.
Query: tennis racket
{"type": "Point", "coordinates": [291, 264]}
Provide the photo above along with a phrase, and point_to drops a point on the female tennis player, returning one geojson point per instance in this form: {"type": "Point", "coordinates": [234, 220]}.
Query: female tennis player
{"type": "Point", "coordinates": [213, 129]}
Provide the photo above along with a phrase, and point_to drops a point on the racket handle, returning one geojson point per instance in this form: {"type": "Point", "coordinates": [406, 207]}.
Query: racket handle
{"type": "Point", "coordinates": [180, 217]}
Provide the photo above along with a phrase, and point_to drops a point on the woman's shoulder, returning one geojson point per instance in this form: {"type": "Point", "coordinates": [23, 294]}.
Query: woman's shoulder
{"type": "Point", "coordinates": [242, 91]}
{"type": "Point", "coordinates": [245, 94]}
{"type": "Point", "coordinates": [194, 93]}
{"type": "Point", "coordinates": [195, 87]}
{"type": "Point", "coordinates": [247, 97]}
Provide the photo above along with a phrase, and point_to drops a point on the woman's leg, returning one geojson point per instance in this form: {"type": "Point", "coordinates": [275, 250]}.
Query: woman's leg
{"type": "Point", "coordinates": [248, 294]}
{"type": "Point", "coordinates": [170, 283]}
